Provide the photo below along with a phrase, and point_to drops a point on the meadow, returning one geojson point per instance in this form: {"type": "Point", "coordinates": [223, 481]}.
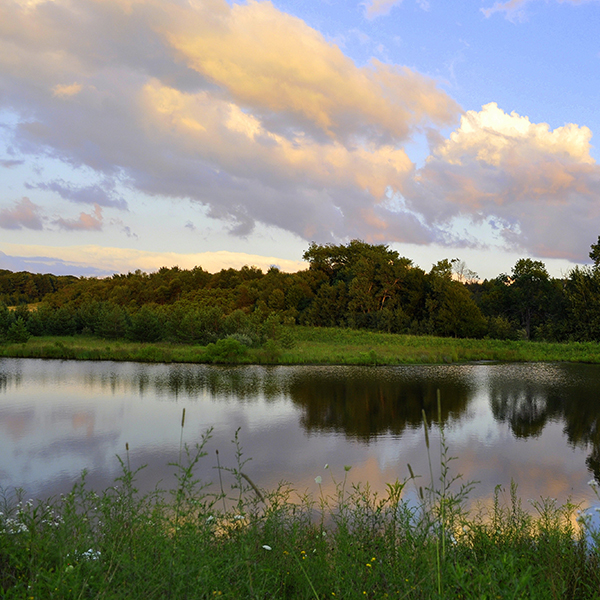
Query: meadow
{"type": "Point", "coordinates": [310, 345]}
{"type": "Point", "coordinates": [196, 541]}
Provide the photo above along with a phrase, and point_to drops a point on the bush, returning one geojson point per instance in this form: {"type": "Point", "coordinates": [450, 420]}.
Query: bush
{"type": "Point", "coordinates": [225, 351]}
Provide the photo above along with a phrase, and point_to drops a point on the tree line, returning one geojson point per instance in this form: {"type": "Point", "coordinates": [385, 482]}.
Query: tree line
{"type": "Point", "coordinates": [357, 285]}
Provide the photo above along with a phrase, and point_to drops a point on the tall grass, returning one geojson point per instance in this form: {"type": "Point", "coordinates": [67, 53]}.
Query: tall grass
{"type": "Point", "coordinates": [313, 345]}
{"type": "Point", "coordinates": [197, 542]}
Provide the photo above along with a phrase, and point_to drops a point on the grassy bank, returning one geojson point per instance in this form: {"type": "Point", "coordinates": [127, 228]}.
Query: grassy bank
{"type": "Point", "coordinates": [197, 542]}
{"type": "Point", "coordinates": [307, 345]}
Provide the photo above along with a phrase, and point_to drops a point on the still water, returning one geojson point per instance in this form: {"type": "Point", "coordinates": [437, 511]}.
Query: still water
{"type": "Point", "coordinates": [537, 424]}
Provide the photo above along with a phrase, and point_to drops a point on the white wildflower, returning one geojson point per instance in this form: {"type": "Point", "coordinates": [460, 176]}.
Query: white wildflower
{"type": "Point", "coordinates": [318, 480]}
{"type": "Point", "coordinates": [267, 547]}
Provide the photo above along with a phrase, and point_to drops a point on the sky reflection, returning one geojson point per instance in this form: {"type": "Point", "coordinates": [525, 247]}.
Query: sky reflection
{"type": "Point", "coordinates": [58, 418]}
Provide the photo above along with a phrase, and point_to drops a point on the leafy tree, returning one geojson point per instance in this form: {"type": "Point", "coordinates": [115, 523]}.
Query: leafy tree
{"type": "Point", "coordinates": [450, 307]}
{"type": "Point", "coordinates": [530, 288]}
{"type": "Point", "coordinates": [145, 325]}
{"type": "Point", "coordinates": [582, 292]}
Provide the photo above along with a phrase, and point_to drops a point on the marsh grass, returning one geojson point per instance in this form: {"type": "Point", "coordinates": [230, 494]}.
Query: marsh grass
{"type": "Point", "coordinates": [312, 345]}
{"type": "Point", "coordinates": [242, 542]}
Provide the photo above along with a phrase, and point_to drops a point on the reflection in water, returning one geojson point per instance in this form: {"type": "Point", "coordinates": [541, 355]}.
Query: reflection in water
{"type": "Point", "coordinates": [365, 403]}
{"type": "Point", "coordinates": [527, 397]}
{"type": "Point", "coordinates": [538, 424]}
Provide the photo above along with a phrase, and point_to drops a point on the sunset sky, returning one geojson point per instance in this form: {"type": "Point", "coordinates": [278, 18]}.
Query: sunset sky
{"type": "Point", "coordinates": [142, 133]}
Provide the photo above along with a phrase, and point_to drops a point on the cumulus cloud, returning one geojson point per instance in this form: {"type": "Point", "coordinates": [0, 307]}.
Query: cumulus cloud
{"type": "Point", "coordinates": [23, 215]}
{"type": "Point", "coordinates": [537, 187]}
{"type": "Point", "coordinates": [255, 115]}
{"type": "Point", "coordinates": [85, 222]}
{"type": "Point", "coordinates": [242, 108]}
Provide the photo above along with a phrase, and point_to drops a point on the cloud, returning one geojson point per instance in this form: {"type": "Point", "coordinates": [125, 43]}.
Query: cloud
{"type": "Point", "coordinates": [9, 163]}
{"type": "Point", "coordinates": [107, 260]}
{"type": "Point", "coordinates": [86, 222]}
{"type": "Point", "coordinates": [537, 187]}
{"type": "Point", "coordinates": [24, 214]}
{"type": "Point", "coordinates": [101, 194]}
{"type": "Point", "coordinates": [515, 9]}
{"type": "Point", "coordinates": [64, 91]}
{"type": "Point", "coordinates": [376, 8]}
{"type": "Point", "coordinates": [46, 264]}
{"type": "Point", "coordinates": [242, 108]}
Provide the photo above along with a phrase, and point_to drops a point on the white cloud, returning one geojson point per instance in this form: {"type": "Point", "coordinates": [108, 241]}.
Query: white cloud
{"type": "Point", "coordinates": [538, 187]}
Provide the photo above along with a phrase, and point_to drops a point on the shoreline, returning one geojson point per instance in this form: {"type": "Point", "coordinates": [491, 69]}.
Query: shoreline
{"type": "Point", "coordinates": [311, 345]}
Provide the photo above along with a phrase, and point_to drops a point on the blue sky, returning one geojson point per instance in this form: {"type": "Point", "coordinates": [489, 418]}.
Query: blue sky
{"type": "Point", "coordinates": [142, 133]}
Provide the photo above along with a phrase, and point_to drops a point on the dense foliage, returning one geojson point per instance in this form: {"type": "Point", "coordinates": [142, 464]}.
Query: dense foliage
{"type": "Point", "coordinates": [357, 285]}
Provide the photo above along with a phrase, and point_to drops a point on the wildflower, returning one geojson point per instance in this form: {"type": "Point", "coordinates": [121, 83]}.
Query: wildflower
{"type": "Point", "coordinates": [369, 565]}
{"type": "Point", "coordinates": [91, 554]}
{"type": "Point", "coordinates": [318, 480]}
{"type": "Point", "coordinates": [267, 547]}
{"type": "Point", "coordinates": [326, 466]}
{"type": "Point", "coordinates": [593, 483]}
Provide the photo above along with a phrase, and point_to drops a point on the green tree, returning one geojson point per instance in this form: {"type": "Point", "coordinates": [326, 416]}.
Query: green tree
{"type": "Point", "coordinates": [145, 325]}
{"type": "Point", "coordinates": [18, 331]}
{"type": "Point", "coordinates": [451, 311]}
{"type": "Point", "coordinates": [530, 289]}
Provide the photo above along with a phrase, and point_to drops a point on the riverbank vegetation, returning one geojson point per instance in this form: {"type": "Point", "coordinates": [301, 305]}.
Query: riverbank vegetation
{"type": "Point", "coordinates": [289, 345]}
{"type": "Point", "coordinates": [414, 541]}
{"type": "Point", "coordinates": [246, 315]}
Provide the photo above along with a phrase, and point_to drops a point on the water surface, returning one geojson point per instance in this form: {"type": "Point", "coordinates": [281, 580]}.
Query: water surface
{"type": "Point", "coordinates": [537, 424]}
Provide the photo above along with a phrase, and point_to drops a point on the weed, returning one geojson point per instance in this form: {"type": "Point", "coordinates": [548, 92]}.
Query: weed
{"type": "Point", "coordinates": [193, 542]}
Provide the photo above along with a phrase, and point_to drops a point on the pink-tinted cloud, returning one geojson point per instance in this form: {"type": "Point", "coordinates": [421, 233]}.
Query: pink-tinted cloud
{"type": "Point", "coordinates": [240, 107]}
{"type": "Point", "coordinates": [23, 215]}
{"type": "Point", "coordinates": [85, 222]}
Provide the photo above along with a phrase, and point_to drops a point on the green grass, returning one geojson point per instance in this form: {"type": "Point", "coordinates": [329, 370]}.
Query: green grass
{"type": "Point", "coordinates": [307, 345]}
{"type": "Point", "coordinates": [196, 542]}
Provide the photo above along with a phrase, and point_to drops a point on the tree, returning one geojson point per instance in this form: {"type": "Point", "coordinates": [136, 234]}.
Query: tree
{"type": "Point", "coordinates": [530, 289]}
{"type": "Point", "coordinates": [18, 331]}
{"type": "Point", "coordinates": [595, 253]}
{"type": "Point", "coordinates": [451, 311]}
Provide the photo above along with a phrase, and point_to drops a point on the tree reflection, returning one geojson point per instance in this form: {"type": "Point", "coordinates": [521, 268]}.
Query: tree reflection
{"type": "Point", "coordinates": [535, 395]}
{"type": "Point", "coordinates": [368, 403]}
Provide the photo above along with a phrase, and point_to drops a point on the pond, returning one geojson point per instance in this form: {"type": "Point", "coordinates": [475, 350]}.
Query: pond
{"type": "Point", "coordinates": [535, 424]}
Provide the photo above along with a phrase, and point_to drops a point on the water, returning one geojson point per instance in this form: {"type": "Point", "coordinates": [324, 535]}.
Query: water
{"type": "Point", "coordinates": [537, 424]}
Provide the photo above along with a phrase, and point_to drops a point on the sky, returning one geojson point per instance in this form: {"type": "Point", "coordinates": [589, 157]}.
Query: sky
{"type": "Point", "coordinates": [136, 134]}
